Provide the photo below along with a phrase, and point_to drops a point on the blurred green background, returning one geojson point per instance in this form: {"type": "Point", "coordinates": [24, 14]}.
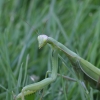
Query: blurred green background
{"type": "Point", "coordinates": [75, 23]}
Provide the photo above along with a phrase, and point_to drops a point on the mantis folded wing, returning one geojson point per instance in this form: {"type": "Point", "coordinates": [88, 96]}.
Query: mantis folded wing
{"type": "Point", "coordinates": [89, 70]}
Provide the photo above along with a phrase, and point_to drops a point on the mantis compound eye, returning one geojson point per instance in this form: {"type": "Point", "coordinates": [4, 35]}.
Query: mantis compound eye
{"type": "Point", "coordinates": [42, 39]}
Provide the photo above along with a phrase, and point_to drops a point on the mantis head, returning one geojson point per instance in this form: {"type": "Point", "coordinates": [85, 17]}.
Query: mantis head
{"type": "Point", "coordinates": [42, 39]}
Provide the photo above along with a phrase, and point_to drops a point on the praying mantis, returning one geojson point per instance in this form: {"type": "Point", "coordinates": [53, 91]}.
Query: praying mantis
{"type": "Point", "coordinates": [85, 67]}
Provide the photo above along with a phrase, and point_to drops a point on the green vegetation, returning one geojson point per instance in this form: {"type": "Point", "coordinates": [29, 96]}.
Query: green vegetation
{"type": "Point", "coordinates": [75, 23]}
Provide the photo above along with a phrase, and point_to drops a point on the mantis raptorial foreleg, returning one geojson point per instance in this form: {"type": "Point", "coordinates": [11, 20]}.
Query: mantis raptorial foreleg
{"type": "Point", "coordinates": [29, 89]}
